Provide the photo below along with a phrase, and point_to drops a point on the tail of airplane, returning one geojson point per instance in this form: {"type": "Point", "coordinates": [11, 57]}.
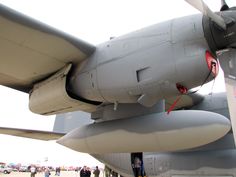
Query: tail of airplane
{"type": "Point", "coordinates": [71, 120]}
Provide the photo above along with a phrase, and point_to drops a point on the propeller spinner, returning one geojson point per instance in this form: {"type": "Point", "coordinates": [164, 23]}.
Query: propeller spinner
{"type": "Point", "coordinates": [219, 27]}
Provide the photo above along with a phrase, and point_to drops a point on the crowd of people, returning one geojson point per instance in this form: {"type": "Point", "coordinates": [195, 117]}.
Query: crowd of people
{"type": "Point", "coordinates": [47, 172]}
{"type": "Point", "coordinates": [84, 172]}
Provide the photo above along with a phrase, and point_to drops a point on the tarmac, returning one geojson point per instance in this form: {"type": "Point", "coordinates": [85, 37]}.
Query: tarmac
{"type": "Point", "coordinates": [41, 174]}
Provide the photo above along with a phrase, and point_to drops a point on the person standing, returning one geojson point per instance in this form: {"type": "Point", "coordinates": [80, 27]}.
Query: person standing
{"type": "Point", "coordinates": [47, 172]}
{"type": "Point", "coordinates": [137, 167]}
{"type": "Point", "coordinates": [88, 172]}
{"type": "Point", "coordinates": [58, 171]}
{"type": "Point", "coordinates": [96, 172]}
{"type": "Point", "coordinates": [83, 172]}
{"type": "Point", "coordinates": [33, 171]}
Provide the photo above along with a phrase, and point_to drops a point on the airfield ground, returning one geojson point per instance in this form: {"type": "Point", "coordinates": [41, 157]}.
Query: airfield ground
{"type": "Point", "coordinates": [26, 174]}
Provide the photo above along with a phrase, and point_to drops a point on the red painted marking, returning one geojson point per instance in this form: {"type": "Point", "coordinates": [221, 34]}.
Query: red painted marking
{"type": "Point", "coordinates": [183, 90]}
{"type": "Point", "coordinates": [174, 104]}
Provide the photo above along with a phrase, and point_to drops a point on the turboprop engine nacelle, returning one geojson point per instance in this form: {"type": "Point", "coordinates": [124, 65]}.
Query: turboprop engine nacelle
{"type": "Point", "coordinates": [158, 132]}
{"type": "Point", "coordinates": [143, 67]}
{"type": "Point", "coordinates": [147, 65]}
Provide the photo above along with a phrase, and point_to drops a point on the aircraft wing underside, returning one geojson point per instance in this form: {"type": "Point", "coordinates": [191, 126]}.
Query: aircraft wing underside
{"type": "Point", "coordinates": [31, 51]}
{"type": "Point", "coordinates": [34, 134]}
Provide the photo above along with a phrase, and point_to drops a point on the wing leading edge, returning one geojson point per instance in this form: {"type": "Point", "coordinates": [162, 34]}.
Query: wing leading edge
{"type": "Point", "coordinates": [31, 51]}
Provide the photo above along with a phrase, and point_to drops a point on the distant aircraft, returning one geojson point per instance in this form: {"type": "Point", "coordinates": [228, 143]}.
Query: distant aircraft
{"type": "Point", "coordinates": [145, 117]}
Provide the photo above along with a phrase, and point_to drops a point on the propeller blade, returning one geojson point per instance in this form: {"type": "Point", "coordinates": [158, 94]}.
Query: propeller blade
{"type": "Point", "coordinates": [224, 6]}
{"type": "Point", "coordinates": [203, 8]}
{"type": "Point", "coordinates": [228, 64]}
{"type": "Point", "coordinates": [227, 59]}
{"type": "Point", "coordinates": [230, 86]}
